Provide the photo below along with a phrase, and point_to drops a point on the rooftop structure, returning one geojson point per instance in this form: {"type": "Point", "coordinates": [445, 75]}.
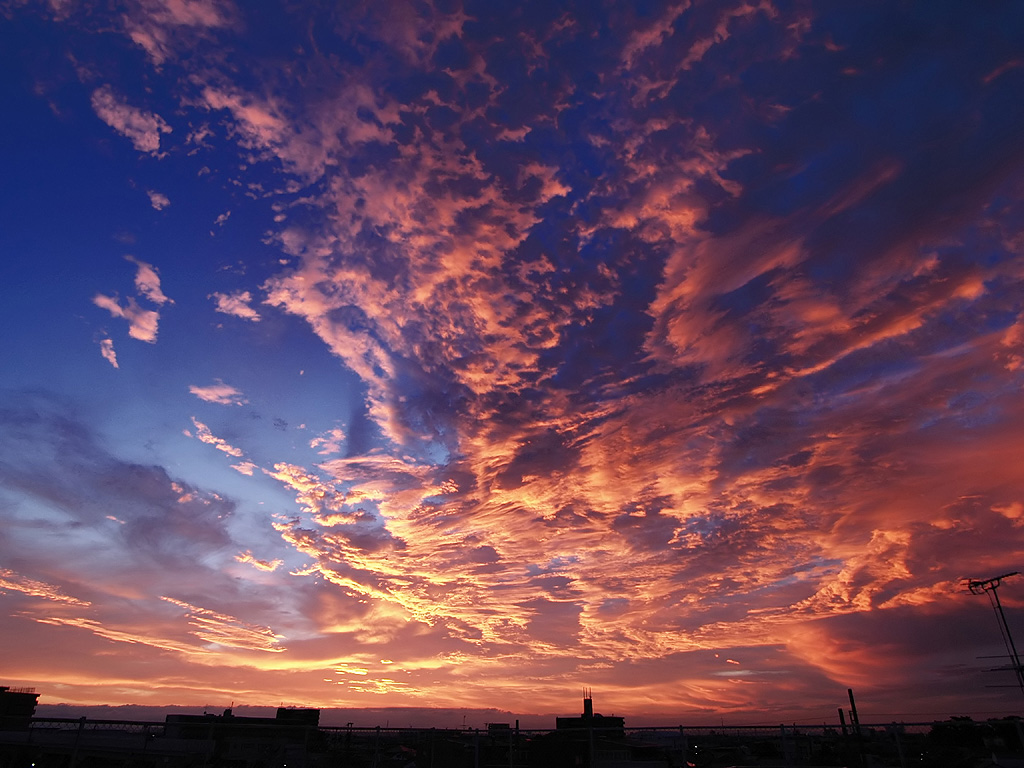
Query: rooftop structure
{"type": "Point", "coordinates": [17, 706]}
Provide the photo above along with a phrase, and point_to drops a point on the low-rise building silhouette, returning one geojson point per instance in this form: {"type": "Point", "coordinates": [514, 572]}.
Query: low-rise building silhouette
{"type": "Point", "coordinates": [17, 706]}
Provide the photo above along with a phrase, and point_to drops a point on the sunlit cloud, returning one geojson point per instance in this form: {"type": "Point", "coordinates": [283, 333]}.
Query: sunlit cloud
{"type": "Point", "coordinates": [107, 350]}
{"type": "Point", "coordinates": [676, 349]}
{"type": "Point", "coordinates": [220, 393]}
{"type": "Point", "coordinates": [329, 442]}
{"type": "Point", "coordinates": [9, 580]}
{"type": "Point", "coordinates": [147, 282]}
{"type": "Point", "coordinates": [222, 629]}
{"type": "Point", "coordinates": [120, 636]}
{"type": "Point", "coordinates": [263, 565]}
{"type": "Point", "coordinates": [142, 128]}
{"type": "Point", "coordinates": [237, 304]}
{"type": "Point", "coordinates": [162, 28]}
{"type": "Point", "coordinates": [157, 200]}
{"type": "Point", "coordinates": [142, 323]}
{"type": "Point", "coordinates": [203, 434]}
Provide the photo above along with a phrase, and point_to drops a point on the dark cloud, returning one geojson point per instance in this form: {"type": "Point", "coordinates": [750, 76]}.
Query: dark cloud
{"type": "Point", "coordinates": [54, 461]}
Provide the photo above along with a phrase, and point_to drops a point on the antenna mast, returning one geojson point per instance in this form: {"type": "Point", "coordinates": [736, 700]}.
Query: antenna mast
{"type": "Point", "coordinates": [990, 586]}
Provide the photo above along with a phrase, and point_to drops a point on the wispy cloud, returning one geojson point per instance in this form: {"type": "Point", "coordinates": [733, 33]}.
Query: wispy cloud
{"type": "Point", "coordinates": [221, 393]}
{"type": "Point", "coordinates": [107, 350]}
{"type": "Point", "coordinates": [142, 323]}
{"type": "Point", "coordinates": [237, 304]}
{"type": "Point", "coordinates": [263, 565]}
{"type": "Point", "coordinates": [203, 434]}
{"type": "Point", "coordinates": [329, 442]}
{"type": "Point", "coordinates": [142, 128]}
{"type": "Point", "coordinates": [9, 580]}
{"type": "Point", "coordinates": [164, 28]}
{"type": "Point", "coordinates": [147, 282]}
{"type": "Point", "coordinates": [222, 629]}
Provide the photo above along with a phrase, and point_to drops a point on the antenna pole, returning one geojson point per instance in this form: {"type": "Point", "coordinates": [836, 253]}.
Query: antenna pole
{"type": "Point", "coordinates": [991, 587]}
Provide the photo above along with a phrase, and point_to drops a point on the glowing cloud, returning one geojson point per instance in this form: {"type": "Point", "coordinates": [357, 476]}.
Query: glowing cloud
{"type": "Point", "coordinates": [147, 282]}
{"type": "Point", "coordinates": [140, 127]}
{"type": "Point", "coordinates": [329, 442]}
{"type": "Point", "coordinates": [221, 393]}
{"type": "Point", "coordinates": [236, 304]}
{"type": "Point", "coordinates": [675, 347]}
{"type": "Point", "coordinates": [264, 565]}
{"type": "Point", "coordinates": [222, 629]}
{"type": "Point", "coordinates": [142, 323]}
{"type": "Point", "coordinates": [107, 350]}
{"type": "Point", "coordinates": [10, 580]}
{"type": "Point", "coordinates": [204, 434]}
{"type": "Point", "coordinates": [157, 200]}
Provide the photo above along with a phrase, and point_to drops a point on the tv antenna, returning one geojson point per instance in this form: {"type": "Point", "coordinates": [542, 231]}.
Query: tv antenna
{"type": "Point", "coordinates": [991, 587]}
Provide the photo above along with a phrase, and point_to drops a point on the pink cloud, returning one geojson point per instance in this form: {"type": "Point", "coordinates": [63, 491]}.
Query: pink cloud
{"type": "Point", "coordinates": [157, 200]}
{"type": "Point", "coordinates": [237, 304]}
{"type": "Point", "coordinates": [142, 323]}
{"type": "Point", "coordinates": [329, 442]}
{"type": "Point", "coordinates": [9, 580]}
{"type": "Point", "coordinates": [222, 629]}
{"type": "Point", "coordinates": [147, 282]}
{"type": "Point", "coordinates": [203, 434]}
{"type": "Point", "coordinates": [162, 27]}
{"type": "Point", "coordinates": [220, 393]}
{"type": "Point", "coordinates": [140, 127]}
{"type": "Point", "coordinates": [107, 350]}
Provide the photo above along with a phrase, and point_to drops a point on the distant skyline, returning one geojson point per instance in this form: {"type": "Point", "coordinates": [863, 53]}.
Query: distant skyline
{"type": "Point", "coordinates": [413, 354]}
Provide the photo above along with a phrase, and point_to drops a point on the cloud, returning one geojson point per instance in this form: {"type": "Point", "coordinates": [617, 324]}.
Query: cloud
{"type": "Point", "coordinates": [142, 323]}
{"type": "Point", "coordinates": [107, 350]}
{"type": "Point", "coordinates": [329, 442]}
{"type": "Point", "coordinates": [162, 28]}
{"type": "Point", "coordinates": [162, 520]}
{"type": "Point", "coordinates": [223, 629]}
{"type": "Point", "coordinates": [236, 304]}
{"type": "Point", "coordinates": [157, 200]}
{"type": "Point", "coordinates": [204, 435]}
{"type": "Point", "coordinates": [147, 282]}
{"type": "Point", "coordinates": [263, 565]}
{"type": "Point", "coordinates": [221, 393]}
{"type": "Point", "coordinates": [14, 582]}
{"type": "Point", "coordinates": [669, 341]}
{"type": "Point", "coordinates": [140, 127]}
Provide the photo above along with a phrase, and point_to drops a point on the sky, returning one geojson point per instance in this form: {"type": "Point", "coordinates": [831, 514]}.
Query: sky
{"type": "Point", "coordinates": [463, 354]}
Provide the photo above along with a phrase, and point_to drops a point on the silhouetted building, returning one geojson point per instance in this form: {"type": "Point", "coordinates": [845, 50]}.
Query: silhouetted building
{"type": "Point", "coordinates": [289, 724]}
{"type": "Point", "coordinates": [17, 706]}
{"type": "Point", "coordinates": [588, 719]}
{"type": "Point", "coordinates": [242, 741]}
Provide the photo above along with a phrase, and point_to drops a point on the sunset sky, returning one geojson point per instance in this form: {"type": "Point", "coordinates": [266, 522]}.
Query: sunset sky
{"type": "Point", "coordinates": [463, 354]}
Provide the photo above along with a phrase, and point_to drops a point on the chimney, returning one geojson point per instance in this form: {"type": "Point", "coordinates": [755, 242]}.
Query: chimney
{"type": "Point", "coordinates": [588, 703]}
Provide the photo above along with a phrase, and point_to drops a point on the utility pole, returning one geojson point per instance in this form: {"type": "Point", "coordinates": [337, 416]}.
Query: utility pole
{"type": "Point", "coordinates": [990, 587]}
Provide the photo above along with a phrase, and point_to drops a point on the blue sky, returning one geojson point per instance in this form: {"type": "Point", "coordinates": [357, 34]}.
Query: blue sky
{"type": "Point", "coordinates": [356, 355]}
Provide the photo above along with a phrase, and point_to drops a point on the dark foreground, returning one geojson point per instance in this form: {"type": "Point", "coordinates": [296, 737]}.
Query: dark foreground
{"type": "Point", "coordinates": [222, 741]}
